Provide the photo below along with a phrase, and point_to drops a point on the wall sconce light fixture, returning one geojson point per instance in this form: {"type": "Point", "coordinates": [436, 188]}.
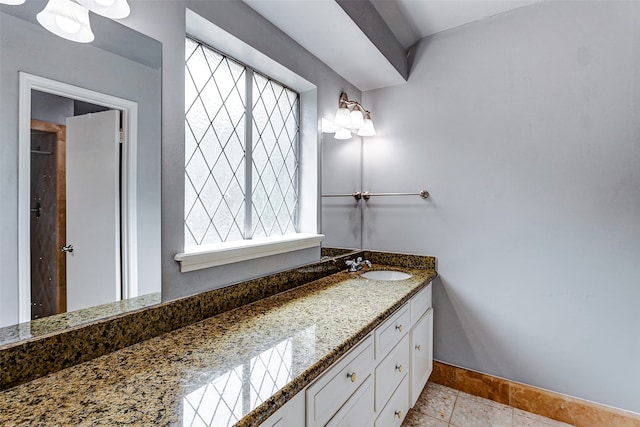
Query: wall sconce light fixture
{"type": "Point", "coordinates": [350, 117]}
{"type": "Point", "coordinates": [69, 19]}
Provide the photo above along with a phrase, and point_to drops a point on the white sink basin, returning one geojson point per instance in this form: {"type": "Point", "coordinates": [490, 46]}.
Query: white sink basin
{"type": "Point", "coordinates": [385, 275]}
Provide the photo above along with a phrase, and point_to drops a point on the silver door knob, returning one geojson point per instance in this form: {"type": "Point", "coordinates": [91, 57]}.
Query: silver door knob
{"type": "Point", "coordinates": [68, 248]}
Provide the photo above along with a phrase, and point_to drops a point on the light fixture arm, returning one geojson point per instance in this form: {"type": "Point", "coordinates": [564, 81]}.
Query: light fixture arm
{"type": "Point", "coordinates": [345, 102]}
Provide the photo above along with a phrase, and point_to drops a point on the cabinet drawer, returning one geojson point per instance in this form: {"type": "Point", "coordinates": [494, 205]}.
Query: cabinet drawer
{"type": "Point", "coordinates": [420, 303]}
{"type": "Point", "coordinates": [421, 354]}
{"type": "Point", "coordinates": [391, 331]}
{"type": "Point", "coordinates": [290, 415]}
{"type": "Point", "coordinates": [397, 408]}
{"type": "Point", "coordinates": [358, 411]}
{"type": "Point", "coordinates": [391, 371]}
{"type": "Point", "coordinates": [329, 392]}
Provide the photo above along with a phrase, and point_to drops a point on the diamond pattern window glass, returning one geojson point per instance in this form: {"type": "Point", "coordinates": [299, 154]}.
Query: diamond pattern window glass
{"type": "Point", "coordinates": [227, 398]}
{"type": "Point", "coordinates": [241, 151]}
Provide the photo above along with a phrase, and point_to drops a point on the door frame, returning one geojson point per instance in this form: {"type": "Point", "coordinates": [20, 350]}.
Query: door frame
{"type": "Point", "coordinates": [128, 196]}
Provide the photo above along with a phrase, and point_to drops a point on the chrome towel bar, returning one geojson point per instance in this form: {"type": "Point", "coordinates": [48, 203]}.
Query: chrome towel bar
{"type": "Point", "coordinates": [366, 195]}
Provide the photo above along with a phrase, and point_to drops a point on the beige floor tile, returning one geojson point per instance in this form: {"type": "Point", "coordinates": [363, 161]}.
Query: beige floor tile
{"type": "Point", "coordinates": [437, 401]}
{"type": "Point", "coordinates": [473, 411]}
{"type": "Point", "coordinates": [527, 419]}
{"type": "Point", "coordinates": [418, 419]}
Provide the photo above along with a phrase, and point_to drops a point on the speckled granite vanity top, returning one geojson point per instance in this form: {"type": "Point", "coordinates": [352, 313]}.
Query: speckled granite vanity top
{"type": "Point", "coordinates": [235, 368]}
{"type": "Point", "coordinates": [59, 322]}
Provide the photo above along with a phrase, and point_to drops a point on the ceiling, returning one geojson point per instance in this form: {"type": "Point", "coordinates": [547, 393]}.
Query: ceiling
{"type": "Point", "coordinates": [324, 28]}
{"type": "Point", "coordinates": [411, 20]}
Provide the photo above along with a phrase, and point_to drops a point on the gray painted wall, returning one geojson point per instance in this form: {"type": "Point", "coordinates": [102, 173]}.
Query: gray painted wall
{"type": "Point", "coordinates": [165, 21]}
{"type": "Point", "coordinates": [84, 66]}
{"type": "Point", "coordinates": [525, 129]}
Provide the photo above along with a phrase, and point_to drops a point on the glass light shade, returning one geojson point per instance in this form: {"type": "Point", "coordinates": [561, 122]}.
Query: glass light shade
{"type": "Point", "coordinates": [328, 126]}
{"type": "Point", "coordinates": [343, 134]}
{"type": "Point", "coordinates": [114, 9]}
{"type": "Point", "coordinates": [343, 118]}
{"type": "Point", "coordinates": [356, 118]}
{"type": "Point", "coordinates": [12, 2]}
{"type": "Point", "coordinates": [367, 128]}
{"type": "Point", "coordinates": [66, 19]}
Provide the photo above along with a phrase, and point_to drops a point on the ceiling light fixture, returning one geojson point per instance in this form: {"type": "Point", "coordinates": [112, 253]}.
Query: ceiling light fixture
{"type": "Point", "coordinates": [69, 19]}
{"type": "Point", "coordinates": [114, 9]}
{"type": "Point", "coordinates": [66, 19]}
{"type": "Point", "coordinates": [342, 134]}
{"type": "Point", "coordinates": [350, 117]}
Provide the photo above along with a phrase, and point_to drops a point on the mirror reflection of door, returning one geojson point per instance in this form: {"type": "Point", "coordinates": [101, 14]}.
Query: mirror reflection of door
{"type": "Point", "coordinates": [75, 185]}
{"type": "Point", "coordinates": [93, 210]}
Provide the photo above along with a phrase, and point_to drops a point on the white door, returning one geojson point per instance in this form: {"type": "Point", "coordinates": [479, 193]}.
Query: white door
{"type": "Point", "coordinates": [93, 209]}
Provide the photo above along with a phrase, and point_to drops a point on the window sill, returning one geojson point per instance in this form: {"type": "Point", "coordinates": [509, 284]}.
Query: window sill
{"type": "Point", "coordinates": [213, 255]}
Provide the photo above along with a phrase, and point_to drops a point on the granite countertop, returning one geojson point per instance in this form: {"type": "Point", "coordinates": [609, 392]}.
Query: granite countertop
{"type": "Point", "coordinates": [235, 368]}
{"type": "Point", "coordinates": [59, 322]}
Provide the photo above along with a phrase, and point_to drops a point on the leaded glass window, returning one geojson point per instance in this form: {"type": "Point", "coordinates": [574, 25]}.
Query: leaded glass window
{"type": "Point", "coordinates": [241, 151]}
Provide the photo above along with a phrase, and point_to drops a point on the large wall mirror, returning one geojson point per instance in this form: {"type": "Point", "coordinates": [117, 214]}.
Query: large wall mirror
{"type": "Point", "coordinates": [341, 177]}
{"type": "Point", "coordinates": [57, 100]}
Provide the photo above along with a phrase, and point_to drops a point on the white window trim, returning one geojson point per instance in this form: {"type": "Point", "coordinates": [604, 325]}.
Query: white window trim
{"type": "Point", "coordinates": [215, 254]}
{"type": "Point", "coordinates": [212, 255]}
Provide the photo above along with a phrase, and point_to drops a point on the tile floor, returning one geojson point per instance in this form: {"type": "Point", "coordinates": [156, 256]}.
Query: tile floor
{"type": "Point", "coordinates": [440, 406]}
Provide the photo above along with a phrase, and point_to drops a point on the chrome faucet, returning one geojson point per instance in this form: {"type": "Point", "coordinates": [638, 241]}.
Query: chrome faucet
{"type": "Point", "coordinates": [356, 264]}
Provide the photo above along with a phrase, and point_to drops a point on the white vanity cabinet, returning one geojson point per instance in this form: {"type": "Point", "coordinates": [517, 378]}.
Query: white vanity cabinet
{"type": "Point", "coordinates": [392, 368]}
{"type": "Point", "coordinates": [335, 387]}
{"type": "Point", "coordinates": [402, 372]}
{"type": "Point", "coordinates": [375, 383]}
{"type": "Point", "coordinates": [391, 331]}
{"type": "Point", "coordinates": [421, 343]}
{"type": "Point", "coordinates": [420, 304]}
{"type": "Point", "coordinates": [391, 371]}
{"type": "Point", "coordinates": [289, 415]}
{"type": "Point", "coordinates": [358, 411]}
{"type": "Point", "coordinates": [396, 409]}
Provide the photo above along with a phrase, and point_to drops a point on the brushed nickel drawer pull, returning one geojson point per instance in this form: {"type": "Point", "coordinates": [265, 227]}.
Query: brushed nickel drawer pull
{"type": "Point", "coordinates": [419, 347]}
{"type": "Point", "coordinates": [398, 414]}
{"type": "Point", "coordinates": [399, 368]}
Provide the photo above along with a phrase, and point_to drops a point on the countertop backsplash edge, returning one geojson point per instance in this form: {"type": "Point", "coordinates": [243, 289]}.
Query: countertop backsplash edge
{"type": "Point", "coordinates": [33, 358]}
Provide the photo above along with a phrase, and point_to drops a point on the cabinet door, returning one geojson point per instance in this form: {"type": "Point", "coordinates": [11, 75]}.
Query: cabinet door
{"type": "Point", "coordinates": [421, 354]}
{"type": "Point", "coordinates": [391, 331]}
{"type": "Point", "coordinates": [420, 303]}
{"type": "Point", "coordinates": [396, 409]}
{"type": "Point", "coordinates": [358, 411]}
{"type": "Point", "coordinates": [329, 392]}
{"type": "Point", "coordinates": [391, 371]}
{"type": "Point", "coordinates": [290, 415]}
